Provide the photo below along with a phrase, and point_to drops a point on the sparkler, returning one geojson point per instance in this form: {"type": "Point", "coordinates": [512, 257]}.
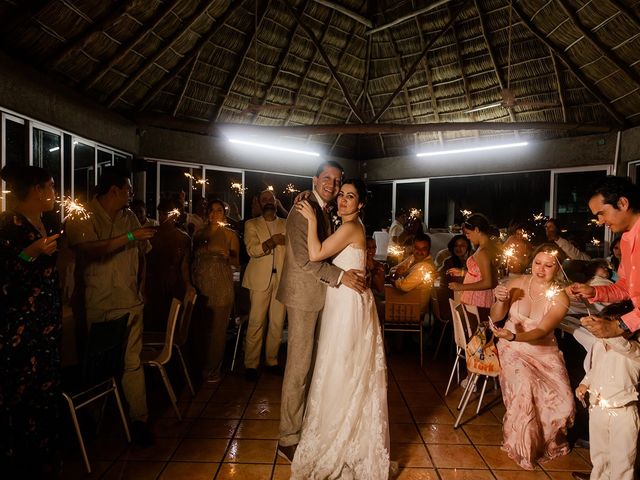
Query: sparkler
{"type": "Point", "coordinates": [551, 292]}
{"type": "Point", "coordinates": [237, 188]}
{"type": "Point", "coordinates": [222, 224]}
{"type": "Point", "coordinates": [290, 189]}
{"type": "Point", "coordinates": [198, 181]}
{"type": "Point", "coordinates": [538, 217]}
{"type": "Point", "coordinates": [6, 191]}
{"type": "Point", "coordinates": [175, 214]}
{"type": "Point", "coordinates": [427, 277]}
{"type": "Point", "coordinates": [526, 235]}
{"type": "Point", "coordinates": [466, 213]}
{"type": "Point", "coordinates": [270, 188]}
{"type": "Point", "coordinates": [74, 209]}
{"type": "Point", "coordinates": [607, 404]}
{"type": "Point", "coordinates": [415, 213]}
{"type": "Point", "coordinates": [395, 251]}
{"type": "Point", "coordinates": [554, 254]}
{"type": "Point", "coordinates": [507, 255]}
{"type": "Point", "coordinates": [595, 242]}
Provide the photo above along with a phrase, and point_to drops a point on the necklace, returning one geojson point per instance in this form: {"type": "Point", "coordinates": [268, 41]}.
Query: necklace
{"type": "Point", "coordinates": [540, 295]}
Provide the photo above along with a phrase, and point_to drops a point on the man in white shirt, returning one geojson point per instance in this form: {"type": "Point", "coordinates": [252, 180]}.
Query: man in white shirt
{"type": "Point", "coordinates": [552, 230]}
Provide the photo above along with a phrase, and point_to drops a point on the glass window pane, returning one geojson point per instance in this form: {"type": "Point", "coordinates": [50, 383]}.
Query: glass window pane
{"type": "Point", "coordinates": [16, 138]}
{"type": "Point", "coordinates": [83, 171]}
{"type": "Point", "coordinates": [499, 197]}
{"type": "Point", "coordinates": [105, 159]}
{"type": "Point", "coordinates": [410, 196]}
{"type": "Point", "coordinates": [47, 153]}
{"type": "Point", "coordinates": [219, 185]}
{"type": "Point", "coordinates": [151, 185]}
{"type": "Point", "coordinates": [285, 187]}
{"type": "Point", "coordinates": [377, 212]}
{"type": "Point", "coordinates": [573, 190]}
{"type": "Point", "coordinates": [123, 161]}
{"type": "Point", "coordinates": [175, 184]}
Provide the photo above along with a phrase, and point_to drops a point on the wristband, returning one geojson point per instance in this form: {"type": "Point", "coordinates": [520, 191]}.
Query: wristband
{"type": "Point", "coordinates": [130, 236]}
{"type": "Point", "coordinates": [23, 256]}
{"type": "Point", "coordinates": [512, 339]}
{"type": "Point", "coordinates": [623, 326]}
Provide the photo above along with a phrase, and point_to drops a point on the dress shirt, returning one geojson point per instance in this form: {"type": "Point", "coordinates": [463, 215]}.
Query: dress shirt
{"type": "Point", "coordinates": [628, 285]}
{"type": "Point", "coordinates": [570, 250]}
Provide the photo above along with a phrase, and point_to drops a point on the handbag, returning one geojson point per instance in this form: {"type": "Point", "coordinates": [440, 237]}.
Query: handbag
{"type": "Point", "coordinates": [482, 353]}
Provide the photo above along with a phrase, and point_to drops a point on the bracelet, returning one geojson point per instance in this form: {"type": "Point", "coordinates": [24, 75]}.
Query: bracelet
{"type": "Point", "coordinates": [512, 339]}
{"type": "Point", "coordinates": [131, 236]}
{"type": "Point", "coordinates": [27, 258]}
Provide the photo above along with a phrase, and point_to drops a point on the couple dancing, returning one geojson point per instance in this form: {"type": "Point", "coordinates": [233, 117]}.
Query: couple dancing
{"type": "Point", "coordinates": [340, 429]}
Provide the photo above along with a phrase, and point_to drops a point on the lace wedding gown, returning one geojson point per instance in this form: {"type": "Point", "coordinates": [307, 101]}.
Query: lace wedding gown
{"type": "Point", "coordinates": [345, 434]}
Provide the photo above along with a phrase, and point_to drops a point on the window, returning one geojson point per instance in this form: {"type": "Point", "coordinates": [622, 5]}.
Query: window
{"type": "Point", "coordinates": [219, 185]}
{"type": "Point", "coordinates": [377, 212]}
{"type": "Point", "coordinates": [105, 159]}
{"type": "Point", "coordinates": [175, 184]}
{"type": "Point", "coordinates": [410, 195]}
{"type": "Point", "coordinates": [47, 153]}
{"type": "Point", "coordinates": [15, 132]}
{"type": "Point", "coordinates": [84, 173]}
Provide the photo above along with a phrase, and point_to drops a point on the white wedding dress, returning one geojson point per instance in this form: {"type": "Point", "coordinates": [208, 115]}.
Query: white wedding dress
{"type": "Point", "coordinates": [345, 434]}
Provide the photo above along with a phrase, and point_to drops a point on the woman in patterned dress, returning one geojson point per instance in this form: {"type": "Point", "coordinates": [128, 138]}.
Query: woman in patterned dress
{"type": "Point", "coordinates": [30, 328]}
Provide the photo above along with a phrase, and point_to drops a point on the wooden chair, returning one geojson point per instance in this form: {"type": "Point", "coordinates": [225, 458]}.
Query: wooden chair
{"type": "Point", "coordinates": [156, 339]}
{"type": "Point", "coordinates": [159, 358]}
{"type": "Point", "coordinates": [403, 312]}
{"type": "Point", "coordinates": [101, 366]}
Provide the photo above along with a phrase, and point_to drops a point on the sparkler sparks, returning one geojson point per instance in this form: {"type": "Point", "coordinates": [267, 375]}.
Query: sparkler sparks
{"type": "Point", "coordinates": [538, 217]}
{"type": "Point", "coordinates": [270, 188]}
{"type": "Point", "coordinates": [427, 277]}
{"type": "Point", "coordinates": [175, 213]}
{"type": "Point", "coordinates": [595, 242]}
{"type": "Point", "coordinates": [222, 224]}
{"type": "Point", "coordinates": [290, 189]}
{"type": "Point", "coordinates": [415, 213]}
{"type": "Point", "coordinates": [526, 235]}
{"type": "Point", "coordinates": [395, 251]}
{"type": "Point", "coordinates": [197, 181]}
{"type": "Point", "coordinates": [74, 209]}
{"type": "Point", "coordinates": [237, 188]}
{"type": "Point", "coordinates": [551, 292]}
{"type": "Point", "coordinates": [466, 213]}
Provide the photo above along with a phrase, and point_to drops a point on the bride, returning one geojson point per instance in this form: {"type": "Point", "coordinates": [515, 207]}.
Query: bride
{"type": "Point", "coordinates": [345, 433]}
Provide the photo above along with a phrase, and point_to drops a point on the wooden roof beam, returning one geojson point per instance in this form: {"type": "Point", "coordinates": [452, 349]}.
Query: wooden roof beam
{"type": "Point", "coordinates": [99, 25]}
{"type": "Point", "coordinates": [194, 53]}
{"type": "Point", "coordinates": [417, 61]}
{"type": "Point", "coordinates": [353, 15]}
{"type": "Point", "coordinates": [604, 50]}
{"type": "Point", "coordinates": [124, 48]}
{"type": "Point", "coordinates": [323, 54]}
{"type": "Point", "coordinates": [409, 16]}
{"type": "Point", "coordinates": [250, 38]}
{"type": "Point", "coordinates": [168, 44]}
{"type": "Point", "coordinates": [560, 85]}
{"type": "Point", "coordinates": [627, 11]}
{"type": "Point", "coordinates": [576, 72]}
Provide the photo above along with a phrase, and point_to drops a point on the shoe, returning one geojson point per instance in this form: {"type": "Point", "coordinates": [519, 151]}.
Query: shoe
{"type": "Point", "coordinates": [275, 370]}
{"type": "Point", "coordinates": [287, 452]}
{"type": "Point", "coordinates": [213, 377]}
{"type": "Point", "coordinates": [581, 475]}
{"type": "Point", "coordinates": [250, 374]}
{"type": "Point", "coordinates": [141, 435]}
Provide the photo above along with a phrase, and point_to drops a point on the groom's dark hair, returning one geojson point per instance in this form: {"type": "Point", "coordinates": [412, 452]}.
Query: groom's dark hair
{"type": "Point", "coordinates": [329, 163]}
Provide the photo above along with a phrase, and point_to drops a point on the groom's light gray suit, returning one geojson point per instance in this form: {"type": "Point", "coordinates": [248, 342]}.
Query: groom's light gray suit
{"type": "Point", "coordinates": [302, 289]}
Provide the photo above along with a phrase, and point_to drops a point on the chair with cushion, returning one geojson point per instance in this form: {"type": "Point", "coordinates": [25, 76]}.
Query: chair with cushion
{"type": "Point", "coordinates": [102, 364]}
{"type": "Point", "coordinates": [156, 339]}
{"type": "Point", "coordinates": [159, 358]}
{"type": "Point", "coordinates": [403, 312]}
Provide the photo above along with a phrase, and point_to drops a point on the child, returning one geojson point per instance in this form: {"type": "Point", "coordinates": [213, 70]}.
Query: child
{"type": "Point", "coordinates": [613, 414]}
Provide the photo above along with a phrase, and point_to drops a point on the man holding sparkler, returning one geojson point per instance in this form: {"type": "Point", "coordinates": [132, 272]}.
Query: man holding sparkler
{"type": "Point", "coordinates": [616, 203]}
{"type": "Point", "coordinates": [109, 244]}
{"type": "Point", "coordinates": [418, 270]}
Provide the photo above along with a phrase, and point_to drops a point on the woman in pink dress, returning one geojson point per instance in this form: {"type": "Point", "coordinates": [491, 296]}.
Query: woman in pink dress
{"type": "Point", "coordinates": [481, 275]}
{"type": "Point", "coordinates": [534, 379]}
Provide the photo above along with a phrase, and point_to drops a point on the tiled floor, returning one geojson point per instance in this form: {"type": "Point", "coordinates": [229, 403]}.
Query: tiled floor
{"type": "Point", "coordinates": [230, 431]}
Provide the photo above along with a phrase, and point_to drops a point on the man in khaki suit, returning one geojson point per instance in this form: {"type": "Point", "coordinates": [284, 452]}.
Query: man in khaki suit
{"type": "Point", "coordinates": [264, 239]}
{"type": "Point", "coordinates": [302, 289]}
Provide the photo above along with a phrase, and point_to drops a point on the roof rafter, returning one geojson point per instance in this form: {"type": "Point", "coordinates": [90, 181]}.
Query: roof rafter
{"type": "Point", "coordinates": [261, 10]}
{"type": "Point", "coordinates": [353, 15]}
{"type": "Point", "coordinates": [323, 54]}
{"type": "Point", "coordinates": [576, 72]}
{"type": "Point", "coordinates": [99, 25]}
{"type": "Point", "coordinates": [597, 43]}
{"type": "Point", "coordinates": [417, 61]}
{"type": "Point", "coordinates": [125, 47]}
{"type": "Point", "coordinates": [194, 53]}
{"type": "Point", "coordinates": [168, 44]}
{"type": "Point", "coordinates": [560, 85]}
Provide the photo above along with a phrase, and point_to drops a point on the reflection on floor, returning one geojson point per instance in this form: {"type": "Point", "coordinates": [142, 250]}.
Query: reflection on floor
{"type": "Point", "coordinates": [230, 431]}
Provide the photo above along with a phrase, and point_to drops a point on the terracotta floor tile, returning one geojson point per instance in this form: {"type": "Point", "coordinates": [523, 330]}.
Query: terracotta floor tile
{"type": "Point", "coordinates": [441, 433]}
{"type": "Point", "coordinates": [200, 450]}
{"type": "Point", "coordinates": [252, 451]}
{"type": "Point", "coordinates": [243, 471]}
{"type": "Point", "coordinates": [100, 448]}
{"type": "Point", "coordinates": [496, 458]}
{"type": "Point", "coordinates": [161, 450]}
{"type": "Point", "coordinates": [213, 428]}
{"type": "Point", "coordinates": [263, 411]}
{"type": "Point", "coordinates": [269, 396]}
{"type": "Point", "coordinates": [461, 474]}
{"type": "Point", "coordinates": [484, 434]}
{"type": "Point", "coordinates": [404, 433]}
{"type": "Point", "coordinates": [258, 429]}
{"type": "Point", "coordinates": [170, 427]}
{"type": "Point", "coordinates": [134, 471]}
{"type": "Point", "coordinates": [281, 472]}
{"type": "Point", "coordinates": [410, 455]}
{"type": "Point", "coordinates": [407, 473]}
{"type": "Point", "coordinates": [433, 414]}
{"type": "Point", "coordinates": [223, 410]}
{"type": "Point", "coordinates": [399, 413]}
{"type": "Point", "coordinates": [74, 469]}
{"type": "Point", "coordinates": [584, 453]}
{"type": "Point", "coordinates": [573, 461]}
{"type": "Point", "coordinates": [465, 457]}
{"type": "Point", "coordinates": [520, 475]}
{"type": "Point", "coordinates": [202, 395]}
{"type": "Point", "coordinates": [485, 418]}
{"type": "Point", "coordinates": [187, 410]}
{"type": "Point", "coordinates": [188, 471]}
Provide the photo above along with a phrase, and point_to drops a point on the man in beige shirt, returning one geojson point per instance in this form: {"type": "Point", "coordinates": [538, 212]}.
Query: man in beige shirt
{"type": "Point", "coordinates": [109, 244]}
{"type": "Point", "coordinates": [417, 271]}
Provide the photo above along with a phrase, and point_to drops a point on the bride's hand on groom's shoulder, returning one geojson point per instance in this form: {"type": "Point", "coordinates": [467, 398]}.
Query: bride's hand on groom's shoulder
{"type": "Point", "coordinates": [302, 196]}
{"type": "Point", "coordinates": [306, 210]}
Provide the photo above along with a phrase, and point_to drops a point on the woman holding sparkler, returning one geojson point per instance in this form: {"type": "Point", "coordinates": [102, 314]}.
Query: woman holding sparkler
{"type": "Point", "coordinates": [453, 268]}
{"type": "Point", "coordinates": [481, 276]}
{"type": "Point", "coordinates": [534, 379]}
{"type": "Point", "coordinates": [30, 328]}
{"type": "Point", "coordinates": [216, 248]}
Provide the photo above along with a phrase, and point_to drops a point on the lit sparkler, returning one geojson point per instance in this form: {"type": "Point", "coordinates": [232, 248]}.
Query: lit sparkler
{"type": "Point", "coordinates": [427, 277]}
{"type": "Point", "coordinates": [270, 188]}
{"type": "Point", "coordinates": [526, 235]}
{"type": "Point", "coordinates": [507, 255]}
{"type": "Point", "coordinates": [538, 217]}
{"type": "Point", "coordinates": [290, 189]}
{"type": "Point", "coordinates": [237, 188]}
{"type": "Point", "coordinates": [466, 213]}
{"type": "Point", "coordinates": [74, 209]}
{"type": "Point", "coordinates": [395, 251]}
{"type": "Point", "coordinates": [197, 181]}
{"type": "Point", "coordinates": [551, 292]}
{"type": "Point", "coordinates": [222, 224]}
{"type": "Point", "coordinates": [415, 213]}
{"type": "Point", "coordinates": [595, 242]}
{"type": "Point", "coordinates": [6, 191]}
{"type": "Point", "coordinates": [594, 223]}
{"type": "Point", "coordinates": [554, 254]}
{"type": "Point", "coordinates": [175, 214]}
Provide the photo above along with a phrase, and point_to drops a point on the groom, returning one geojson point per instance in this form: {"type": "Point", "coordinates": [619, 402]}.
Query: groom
{"type": "Point", "coordinates": [302, 289]}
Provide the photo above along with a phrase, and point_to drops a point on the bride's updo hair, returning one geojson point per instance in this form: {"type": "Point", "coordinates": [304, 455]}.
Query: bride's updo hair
{"type": "Point", "coordinates": [360, 187]}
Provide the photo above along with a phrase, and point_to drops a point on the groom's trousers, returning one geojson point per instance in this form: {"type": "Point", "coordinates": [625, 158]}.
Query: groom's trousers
{"type": "Point", "coordinates": [297, 374]}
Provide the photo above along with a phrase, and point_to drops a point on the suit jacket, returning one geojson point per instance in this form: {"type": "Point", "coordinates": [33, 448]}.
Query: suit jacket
{"type": "Point", "coordinates": [303, 283]}
{"type": "Point", "coordinates": [258, 272]}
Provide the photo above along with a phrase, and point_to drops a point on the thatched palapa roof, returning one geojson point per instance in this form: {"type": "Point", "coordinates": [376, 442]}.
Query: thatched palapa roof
{"type": "Point", "coordinates": [377, 66]}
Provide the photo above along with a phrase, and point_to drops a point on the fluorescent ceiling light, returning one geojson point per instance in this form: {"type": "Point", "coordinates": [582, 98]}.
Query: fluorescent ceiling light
{"type": "Point", "coordinates": [472, 149]}
{"type": "Point", "coordinates": [54, 149]}
{"type": "Point", "coordinates": [274, 147]}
